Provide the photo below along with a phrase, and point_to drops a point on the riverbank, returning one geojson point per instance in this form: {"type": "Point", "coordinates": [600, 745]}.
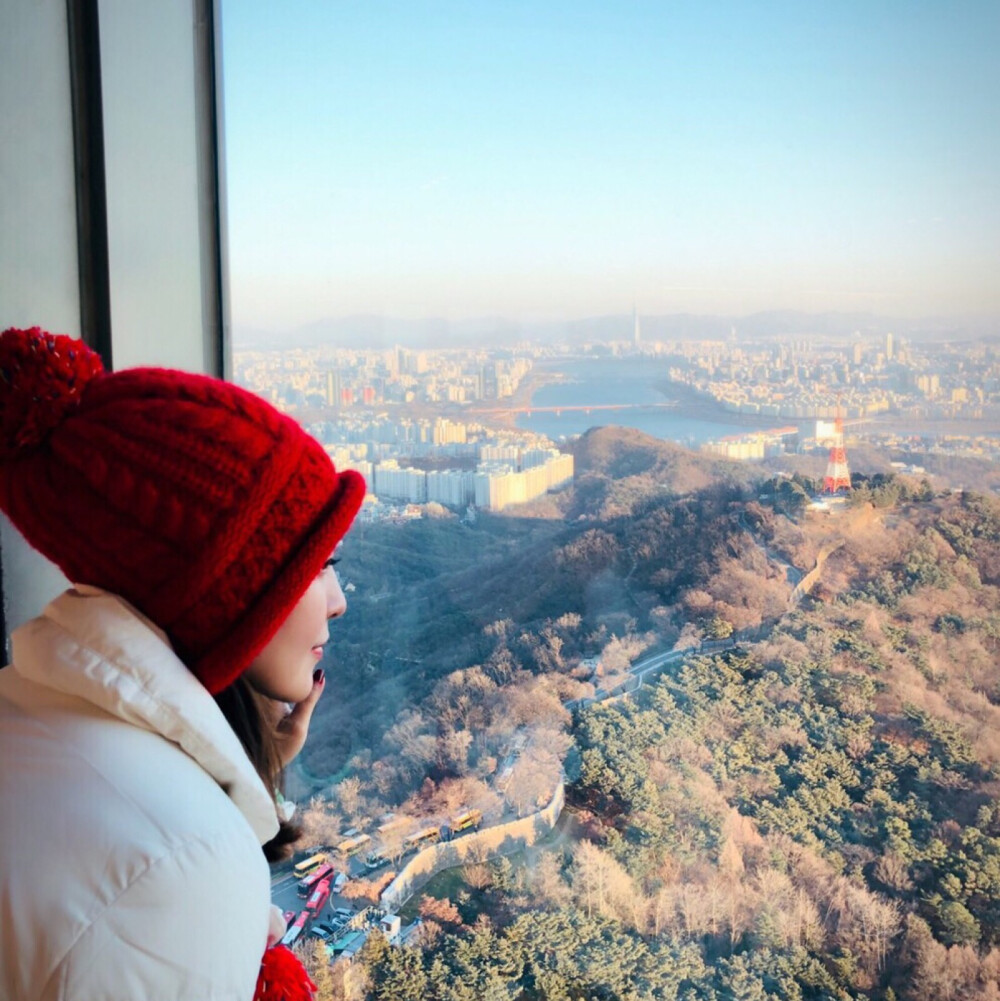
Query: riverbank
{"type": "Point", "coordinates": [536, 379]}
{"type": "Point", "coordinates": [692, 403]}
{"type": "Point", "coordinates": [697, 416]}
{"type": "Point", "coordinates": [696, 403]}
{"type": "Point", "coordinates": [702, 406]}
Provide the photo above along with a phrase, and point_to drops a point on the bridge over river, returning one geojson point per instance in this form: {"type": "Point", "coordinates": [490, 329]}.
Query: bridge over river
{"type": "Point", "coordinates": [585, 408]}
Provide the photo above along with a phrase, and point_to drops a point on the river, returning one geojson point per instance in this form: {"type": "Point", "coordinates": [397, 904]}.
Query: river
{"type": "Point", "coordinates": [639, 386]}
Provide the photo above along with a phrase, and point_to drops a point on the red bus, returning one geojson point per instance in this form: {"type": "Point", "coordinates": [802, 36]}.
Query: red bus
{"type": "Point", "coordinates": [306, 885]}
{"type": "Point", "coordinates": [297, 930]}
{"type": "Point", "coordinates": [318, 900]}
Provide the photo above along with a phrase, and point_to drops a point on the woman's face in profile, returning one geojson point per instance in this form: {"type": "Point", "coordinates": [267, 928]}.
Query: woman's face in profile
{"type": "Point", "coordinates": [283, 670]}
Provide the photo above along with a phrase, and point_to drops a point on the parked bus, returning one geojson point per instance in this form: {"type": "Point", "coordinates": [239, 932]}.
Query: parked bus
{"type": "Point", "coordinates": [425, 837]}
{"type": "Point", "coordinates": [318, 899]}
{"type": "Point", "coordinates": [468, 821]}
{"type": "Point", "coordinates": [351, 846]}
{"type": "Point", "coordinates": [306, 885]}
{"type": "Point", "coordinates": [306, 866]}
{"type": "Point", "coordinates": [297, 930]}
{"type": "Point", "coordinates": [389, 823]}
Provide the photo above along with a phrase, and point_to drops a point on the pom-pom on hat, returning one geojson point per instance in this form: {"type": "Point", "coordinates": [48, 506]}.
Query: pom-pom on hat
{"type": "Point", "coordinates": [192, 499]}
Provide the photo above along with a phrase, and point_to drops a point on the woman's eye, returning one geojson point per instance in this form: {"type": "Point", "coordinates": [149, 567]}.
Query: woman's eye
{"type": "Point", "coordinates": [331, 562]}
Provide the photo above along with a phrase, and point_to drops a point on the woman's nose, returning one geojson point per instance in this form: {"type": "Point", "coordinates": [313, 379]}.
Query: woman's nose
{"type": "Point", "coordinates": [336, 603]}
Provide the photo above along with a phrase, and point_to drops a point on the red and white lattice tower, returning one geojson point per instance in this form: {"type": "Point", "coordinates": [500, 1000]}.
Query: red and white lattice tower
{"type": "Point", "coordinates": [838, 476]}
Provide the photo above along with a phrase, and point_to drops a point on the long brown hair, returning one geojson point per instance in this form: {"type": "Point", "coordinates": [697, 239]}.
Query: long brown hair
{"type": "Point", "coordinates": [246, 712]}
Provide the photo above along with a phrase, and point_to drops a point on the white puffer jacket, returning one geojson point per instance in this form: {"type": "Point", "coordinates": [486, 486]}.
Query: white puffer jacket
{"type": "Point", "coordinates": [130, 819]}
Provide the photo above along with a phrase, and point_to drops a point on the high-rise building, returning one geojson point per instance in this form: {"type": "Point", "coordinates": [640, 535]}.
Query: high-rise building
{"type": "Point", "coordinates": [888, 346]}
{"type": "Point", "coordinates": [929, 385]}
{"type": "Point", "coordinates": [489, 384]}
{"type": "Point", "coordinates": [333, 390]}
{"type": "Point", "coordinates": [453, 487]}
{"type": "Point", "coordinates": [446, 432]}
{"type": "Point", "coordinates": [395, 483]}
{"type": "Point", "coordinates": [497, 486]}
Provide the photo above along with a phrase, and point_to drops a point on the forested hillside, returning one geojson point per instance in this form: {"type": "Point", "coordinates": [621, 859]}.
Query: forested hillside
{"type": "Point", "coordinates": [433, 596]}
{"type": "Point", "coordinates": [813, 813]}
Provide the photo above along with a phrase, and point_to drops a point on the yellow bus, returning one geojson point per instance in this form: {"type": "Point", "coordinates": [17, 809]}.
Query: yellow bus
{"type": "Point", "coordinates": [351, 846]}
{"type": "Point", "coordinates": [306, 866]}
{"type": "Point", "coordinates": [470, 820]}
{"type": "Point", "coordinates": [425, 837]}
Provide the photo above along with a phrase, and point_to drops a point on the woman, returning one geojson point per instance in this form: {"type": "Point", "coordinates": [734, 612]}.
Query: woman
{"type": "Point", "coordinates": [142, 719]}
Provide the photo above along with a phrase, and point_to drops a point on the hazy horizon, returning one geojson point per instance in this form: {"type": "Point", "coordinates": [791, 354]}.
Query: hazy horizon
{"type": "Point", "coordinates": [433, 331]}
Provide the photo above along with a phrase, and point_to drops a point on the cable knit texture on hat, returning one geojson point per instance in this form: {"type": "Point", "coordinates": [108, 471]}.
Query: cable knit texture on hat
{"type": "Point", "coordinates": [190, 497]}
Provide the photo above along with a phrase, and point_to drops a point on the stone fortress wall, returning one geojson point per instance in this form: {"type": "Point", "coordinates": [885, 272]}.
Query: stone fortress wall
{"type": "Point", "coordinates": [481, 846]}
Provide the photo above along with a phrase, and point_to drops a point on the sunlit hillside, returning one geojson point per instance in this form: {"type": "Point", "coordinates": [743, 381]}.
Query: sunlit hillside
{"type": "Point", "coordinates": [809, 811]}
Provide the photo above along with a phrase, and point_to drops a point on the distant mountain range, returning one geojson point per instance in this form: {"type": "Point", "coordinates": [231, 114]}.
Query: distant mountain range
{"type": "Point", "coordinates": [371, 331]}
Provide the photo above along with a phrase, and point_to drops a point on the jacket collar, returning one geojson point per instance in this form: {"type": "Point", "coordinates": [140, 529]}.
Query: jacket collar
{"type": "Point", "coordinates": [96, 646]}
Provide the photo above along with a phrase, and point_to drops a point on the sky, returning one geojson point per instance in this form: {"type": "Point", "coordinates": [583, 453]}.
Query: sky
{"type": "Point", "coordinates": [551, 160]}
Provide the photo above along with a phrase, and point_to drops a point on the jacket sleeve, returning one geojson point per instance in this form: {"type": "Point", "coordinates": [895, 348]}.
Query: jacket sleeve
{"type": "Point", "coordinates": [191, 927]}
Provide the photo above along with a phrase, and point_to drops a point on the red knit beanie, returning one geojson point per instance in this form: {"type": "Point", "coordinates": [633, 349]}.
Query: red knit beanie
{"type": "Point", "coordinates": [191, 498]}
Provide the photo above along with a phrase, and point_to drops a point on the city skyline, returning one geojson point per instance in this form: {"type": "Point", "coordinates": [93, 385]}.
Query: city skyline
{"type": "Point", "coordinates": [557, 162]}
{"type": "Point", "coordinates": [491, 423]}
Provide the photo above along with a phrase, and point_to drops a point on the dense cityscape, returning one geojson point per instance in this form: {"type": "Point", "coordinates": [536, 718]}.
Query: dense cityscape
{"type": "Point", "coordinates": [439, 426]}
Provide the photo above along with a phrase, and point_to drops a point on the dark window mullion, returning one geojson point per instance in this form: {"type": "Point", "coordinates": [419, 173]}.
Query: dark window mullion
{"type": "Point", "coordinates": [211, 155]}
{"type": "Point", "coordinates": [89, 170]}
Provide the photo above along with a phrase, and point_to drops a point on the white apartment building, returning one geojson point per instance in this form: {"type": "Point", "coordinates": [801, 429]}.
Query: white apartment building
{"type": "Point", "coordinates": [539, 457]}
{"type": "Point", "coordinates": [449, 433]}
{"type": "Point", "coordinates": [498, 488]}
{"type": "Point", "coordinates": [503, 454]}
{"type": "Point", "coordinates": [560, 469]}
{"type": "Point", "coordinates": [409, 485]}
{"type": "Point", "coordinates": [492, 487]}
{"type": "Point", "coordinates": [452, 487]}
{"type": "Point", "coordinates": [347, 456]}
{"type": "Point", "coordinates": [743, 449]}
{"type": "Point", "coordinates": [501, 486]}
